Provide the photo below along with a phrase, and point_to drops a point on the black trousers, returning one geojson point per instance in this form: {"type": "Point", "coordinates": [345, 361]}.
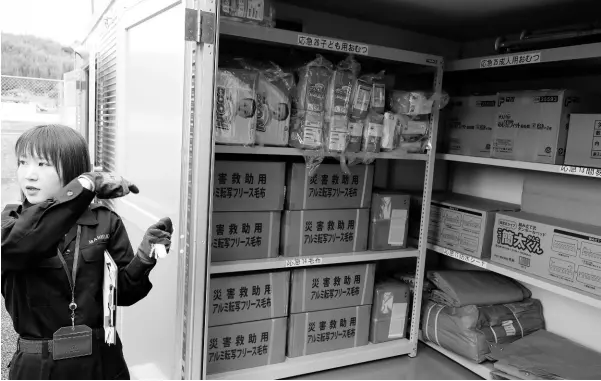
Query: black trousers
{"type": "Point", "coordinates": [105, 363]}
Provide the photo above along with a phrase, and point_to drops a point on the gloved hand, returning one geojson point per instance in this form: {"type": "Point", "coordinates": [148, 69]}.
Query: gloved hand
{"type": "Point", "coordinates": [110, 185]}
{"type": "Point", "coordinates": [159, 233]}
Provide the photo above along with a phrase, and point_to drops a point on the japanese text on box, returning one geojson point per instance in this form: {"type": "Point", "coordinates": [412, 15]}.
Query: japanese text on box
{"type": "Point", "coordinates": [333, 186]}
{"type": "Point", "coordinates": [327, 232]}
{"type": "Point", "coordinates": [334, 329]}
{"type": "Point", "coordinates": [241, 299]}
{"type": "Point", "coordinates": [238, 235]}
{"type": "Point", "coordinates": [511, 60]}
{"type": "Point", "coordinates": [237, 348]}
{"type": "Point", "coordinates": [335, 287]}
{"type": "Point", "coordinates": [239, 185]}
{"type": "Point", "coordinates": [331, 44]}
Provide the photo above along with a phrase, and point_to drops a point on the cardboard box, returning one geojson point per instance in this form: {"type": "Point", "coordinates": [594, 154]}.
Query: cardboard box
{"type": "Point", "coordinates": [312, 232]}
{"type": "Point", "coordinates": [533, 125]}
{"type": "Point", "coordinates": [241, 298]}
{"type": "Point", "coordinates": [246, 345]}
{"type": "Point", "coordinates": [584, 141]}
{"type": "Point", "coordinates": [389, 220]}
{"type": "Point", "coordinates": [245, 235]}
{"type": "Point", "coordinates": [572, 198]}
{"type": "Point", "coordinates": [329, 330]}
{"type": "Point", "coordinates": [240, 186]}
{"type": "Point", "coordinates": [321, 288]}
{"type": "Point", "coordinates": [469, 124]}
{"type": "Point", "coordinates": [463, 223]}
{"type": "Point", "coordinates": [390, 311]}
{"type": "Point", "coordinates": [559, 250]}
{"type": "Point", "coordinates": [329, 187]}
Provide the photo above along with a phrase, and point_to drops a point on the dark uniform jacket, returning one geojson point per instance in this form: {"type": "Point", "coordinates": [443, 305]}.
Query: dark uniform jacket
{"type": "Point", "coordinates": [36, 288]}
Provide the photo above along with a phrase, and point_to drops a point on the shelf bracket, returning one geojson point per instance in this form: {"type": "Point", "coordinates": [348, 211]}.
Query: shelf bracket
{"type": "Point", "coordinates": [203, 31]}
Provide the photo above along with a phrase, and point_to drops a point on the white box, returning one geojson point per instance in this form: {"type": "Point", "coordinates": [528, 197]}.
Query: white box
{"type": "Point", "coordinates": [584, 141]}
{"type": "Point", "coordinates": [469, 124]}
{"type": "Point", "coordinates": [533, 125]}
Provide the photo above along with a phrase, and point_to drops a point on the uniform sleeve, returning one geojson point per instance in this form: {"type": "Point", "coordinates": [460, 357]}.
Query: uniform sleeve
{"type": "Point", "coordinates": [133, 282]}
{"type": "Point", "coordinates": [27, 238]}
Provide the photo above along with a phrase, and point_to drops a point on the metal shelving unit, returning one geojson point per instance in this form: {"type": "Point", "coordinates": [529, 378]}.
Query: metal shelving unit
{"type": "Point", "coordinates": [483, 369]}
{"type": "Point", "coordinates": [561, 169]}
{"type": "Point", "coordinates": [555, 287]}
{"type": "Point", "coordinates": [321, 361]}
{"type": "Point", "coordinates": [325, 259]}
{"type": "Point", "coordinates": [330, 360]}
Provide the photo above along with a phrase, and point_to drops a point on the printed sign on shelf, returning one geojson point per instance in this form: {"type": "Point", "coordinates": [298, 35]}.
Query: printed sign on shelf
{"type": "Point", "coordinates": [333, 45]}
{"type": "Point", "coordinates": [303, 262]}
{"type": "Point", "coordinates": [465, 258]}
{"type": "Point", "coordinates": [511, 60]}
{"type": "Point", "coordinates": [580, 171]}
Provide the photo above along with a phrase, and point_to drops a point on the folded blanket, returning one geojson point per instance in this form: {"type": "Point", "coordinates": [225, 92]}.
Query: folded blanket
{"type": "Point", "coordinates": [463, 288]}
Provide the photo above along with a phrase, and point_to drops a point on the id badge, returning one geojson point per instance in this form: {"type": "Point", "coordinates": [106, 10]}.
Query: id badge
{"type": "Point", "coordinates": [69, 342]}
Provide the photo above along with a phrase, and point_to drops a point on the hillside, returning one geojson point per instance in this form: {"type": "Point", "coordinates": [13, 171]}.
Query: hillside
{"type": "Point", "coordinates": [30, 56]}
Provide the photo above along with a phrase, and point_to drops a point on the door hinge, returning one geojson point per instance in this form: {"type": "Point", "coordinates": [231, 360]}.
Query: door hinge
{"type": "Point", "coordinates": [202, 32]}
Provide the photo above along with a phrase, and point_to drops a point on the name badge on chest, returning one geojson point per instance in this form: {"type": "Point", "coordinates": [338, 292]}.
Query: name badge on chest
{"type": "Point", "coordinates": [70, 342]}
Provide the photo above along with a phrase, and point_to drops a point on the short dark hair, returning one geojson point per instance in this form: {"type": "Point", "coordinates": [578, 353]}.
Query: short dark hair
{"type": "Point", "coordinates": [60, 145]}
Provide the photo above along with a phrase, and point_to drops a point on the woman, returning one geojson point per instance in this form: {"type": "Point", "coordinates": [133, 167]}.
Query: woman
{"type": "Point", "coordinates": [53, 248]}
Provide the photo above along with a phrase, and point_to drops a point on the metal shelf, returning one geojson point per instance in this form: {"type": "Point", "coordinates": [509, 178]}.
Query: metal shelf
{"type": "Point", "coordinates": [288, 151]}
{"type": "Point", "coordinates": [290, 38]}
{"type": "Point", "coordinates": [534, 280]}
{"type": "Point", "coordinates": [483, 369]}
{"type": "Point", "coordinates": [325, 259]}
{"type": "Point", "coordinates": [319, 362]}
{"type": "Point", "coordinates": [585, 52]}
{"type": "Point", "coordinates": [561, 169]}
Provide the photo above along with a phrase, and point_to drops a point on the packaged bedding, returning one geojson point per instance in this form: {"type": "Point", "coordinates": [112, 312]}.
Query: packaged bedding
{"type": "Point", "coordinates": [236, 106]}
{"type": "Point", "coordinates": [259, 12]}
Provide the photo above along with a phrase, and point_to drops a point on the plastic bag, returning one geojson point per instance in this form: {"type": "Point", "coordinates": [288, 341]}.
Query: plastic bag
{"type": "Point", "coordinates": [415, 133]}
{"type": "Point", "coordinates": [258, 12]}
{"type": "Point", "coordinates": [391, 132]}
{"type": "Point", "coordinates": [378, 91]}
{"type": "Point", "coordinates": [307, 121]}
{"type": "Point", "coordinates": [273, 102]}
{"type": "Point", "coordinates": [338, 104]}
{"type": "Point", "coordinates": [355, 135]}
{"type": "Point", "coordinates": [372, 133]}
{"type": "Point", "coordinates": [360, 99]}
{"type": "Point", "coordinates": [416, 102]}
{"type": "Point", "coordinates": [236, 106]}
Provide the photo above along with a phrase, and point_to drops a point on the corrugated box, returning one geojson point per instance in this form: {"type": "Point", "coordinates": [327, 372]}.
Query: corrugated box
{"type": "Point", "coordinates": [329, 187]}
{"type": "Point", "coordinates": [572, 198]}
{"type": "Point", "coordinates": [329, 330]}
{"type": "Point", "coordinates": [321, 288]}
{"type": "Point", "coordinates": [245, 235]}
{"type": "Point", "coordinates": [241, 186]}
{"type": "Point", "coordinates": [469, 124]}
{"type": "Point", "coordinates": [559, 250]}
{"type": "Point", "coordinates": [389, 221]}
{"type": "Point", "coordinates": [246, 345]}
{"type": "Point", "coordinates": [533, 125]}
{"type": "Point", "coordinates": [462, 223]}
{"type": "Point", "coordinates": [390, 310]}
{"type": "Point", "coordinates": [257, 296]}
{"type": "Point", "coordinates": [312, 232]}
{"type": "Point", "coordinates": [584, 141]}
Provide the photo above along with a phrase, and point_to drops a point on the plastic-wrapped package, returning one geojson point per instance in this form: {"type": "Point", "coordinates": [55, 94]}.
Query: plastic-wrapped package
{"type": "Point", "coordinates": [391, 132]}
{"type": "Point", "coordinates": [274, 107]}
{"type": "Point", "coordinates": [360, 99]}
{"type": "Point", "coordinates": [307, 122]}
{"type": "Point", "coordinates": [378, 91]}
{"type": "Point", "coordinates": [236, 106]}
{"type": "Point", "coordinates": [416, 102]}
{"type": "Point", "coordinates": [355, 135]}
{"type": "Point", "coordinates": [259, 12]}
{"type": "Point", "coordinates": [338, 104]}
{"type": "Point", "coordinates": [372, 133]}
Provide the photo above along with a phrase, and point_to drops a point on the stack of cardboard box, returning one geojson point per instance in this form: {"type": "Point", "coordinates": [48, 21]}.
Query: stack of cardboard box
{"type": "Point", "coordinates": [248, 198]}
{"type": "Point", "coordinates": [327, 212]}
{"type": "Point", "coordinates": [557, 233]}
{"type": "Point", "coordinates": [527, 126]}
{"type": "Point", "coordinates": [329, 308]}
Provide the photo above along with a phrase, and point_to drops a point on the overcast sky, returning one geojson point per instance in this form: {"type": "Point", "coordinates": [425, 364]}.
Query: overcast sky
{"type": "Point", "coordinates": [64, 21]}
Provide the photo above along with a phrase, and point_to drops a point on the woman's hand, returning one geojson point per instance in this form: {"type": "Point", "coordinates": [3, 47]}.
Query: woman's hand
{"type": "Point", "coordinates": [109, 185]}
{"type": "Point", "coordinates": [159, 233]}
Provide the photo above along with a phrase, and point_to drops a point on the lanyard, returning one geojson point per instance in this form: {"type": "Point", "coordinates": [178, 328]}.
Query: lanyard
{"type": "Point", "coordinates": [72, 277]}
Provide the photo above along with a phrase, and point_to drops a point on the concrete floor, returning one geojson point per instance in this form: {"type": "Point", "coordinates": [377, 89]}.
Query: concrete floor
{"type": "Point", "coordinates": [428, 365]}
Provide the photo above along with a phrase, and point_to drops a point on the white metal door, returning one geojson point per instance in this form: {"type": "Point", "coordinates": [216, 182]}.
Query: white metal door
{"type": "Point", "coordinates": [154, 63]}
